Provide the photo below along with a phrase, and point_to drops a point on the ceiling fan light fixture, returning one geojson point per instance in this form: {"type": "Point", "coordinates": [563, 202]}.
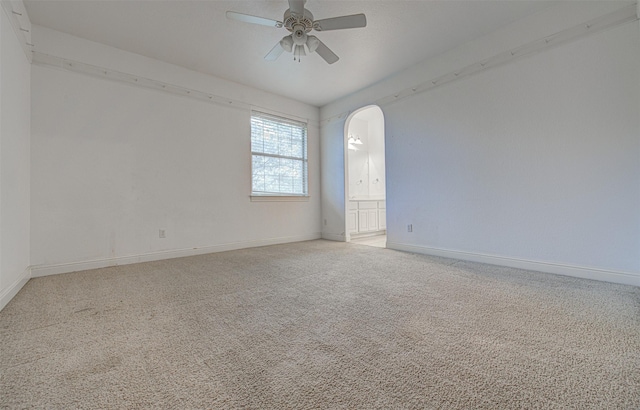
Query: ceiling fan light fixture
{"type": "Point", "coordinates": [287, 43]}
{"type": "Point", "coordinates": [312, 43]}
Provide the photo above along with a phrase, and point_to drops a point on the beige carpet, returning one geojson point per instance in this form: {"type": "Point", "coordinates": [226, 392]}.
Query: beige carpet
{"type": "Point", "coordinates": [379, 241]}
{"type": "Point", "coordinates": [320, 325]}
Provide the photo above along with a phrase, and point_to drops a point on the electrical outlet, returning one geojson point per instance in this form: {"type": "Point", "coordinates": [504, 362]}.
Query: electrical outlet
{"type": "Point", "coordinates": [162, 233]}
{"type": "Point", "coordinates": [410, 228]}
{"type": "Point", "coordinates": [325, 222]}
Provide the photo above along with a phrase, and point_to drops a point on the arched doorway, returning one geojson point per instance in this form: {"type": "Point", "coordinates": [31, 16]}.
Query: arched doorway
{"type": "Point", "coordinates": [365, 177]}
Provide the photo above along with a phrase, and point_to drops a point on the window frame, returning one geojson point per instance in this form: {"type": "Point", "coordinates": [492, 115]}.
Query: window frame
{"type": "Point", "coordinates": [266, 196]}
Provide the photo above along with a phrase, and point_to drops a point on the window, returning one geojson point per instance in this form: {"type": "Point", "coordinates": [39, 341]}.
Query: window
{"type": "Point", "coordinates": [279, 155]}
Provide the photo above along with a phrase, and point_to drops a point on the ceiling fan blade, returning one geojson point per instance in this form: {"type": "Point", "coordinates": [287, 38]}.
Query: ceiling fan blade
{"type": "Point", "coordinates": [246, 18]}
{"type": "Point", "coordinates": [275, 52]}
{"type": "Point", "coordinates": [296, 7]}
{"type": "Point", "coordinates": [324, 52]}
{"type": "Point", "coordinates": [339, 23]}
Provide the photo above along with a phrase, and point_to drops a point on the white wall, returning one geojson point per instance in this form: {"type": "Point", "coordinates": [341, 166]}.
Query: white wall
{"type": "Point", "coordinates": [359, 160]}
{"type": "Point", "coordinates": [113, 163]}
{"type": "Point", "coordinates": [533, 164]}
{"type": "Point", "coordinates": [14, 162]}
{"type": "Point", "coordinates": [332, 151]}
{"type": "Point", "coordinates": [537, 160]}
{"type": "Point", "coordinates": [377, 173]}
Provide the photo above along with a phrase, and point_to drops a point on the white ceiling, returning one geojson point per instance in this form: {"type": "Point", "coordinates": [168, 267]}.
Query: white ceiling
{"type": "Point", "coordinates": [197, 35]}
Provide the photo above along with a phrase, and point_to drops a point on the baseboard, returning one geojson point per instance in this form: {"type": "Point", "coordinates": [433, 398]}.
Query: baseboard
{"type": "Point", "coordinates": [333, 237]}
{"type": "Point", "coordinates": [625, 278]}
{"type": "Point", "coordinates": [13, 289]}
{"type": "Point", "coordinates": [46, 270]}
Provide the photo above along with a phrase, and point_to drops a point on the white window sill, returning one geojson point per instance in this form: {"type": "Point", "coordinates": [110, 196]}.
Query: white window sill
{"type": "Point", "coordinates": [279, 198]}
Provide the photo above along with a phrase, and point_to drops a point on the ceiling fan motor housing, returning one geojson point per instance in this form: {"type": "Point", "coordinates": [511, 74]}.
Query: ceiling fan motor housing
{"type": "Point", "coordinates": [299, 35]}
{"type": "Point", "coordinates": [294, 22]}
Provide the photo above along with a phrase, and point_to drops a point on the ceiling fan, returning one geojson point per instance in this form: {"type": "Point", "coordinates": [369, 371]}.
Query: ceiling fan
{"type": "Point", "coordinates": [299, 21]}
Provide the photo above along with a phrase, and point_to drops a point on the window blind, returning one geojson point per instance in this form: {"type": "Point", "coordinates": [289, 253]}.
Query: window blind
{"type": "Point", "coordinates": [279, 155]}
